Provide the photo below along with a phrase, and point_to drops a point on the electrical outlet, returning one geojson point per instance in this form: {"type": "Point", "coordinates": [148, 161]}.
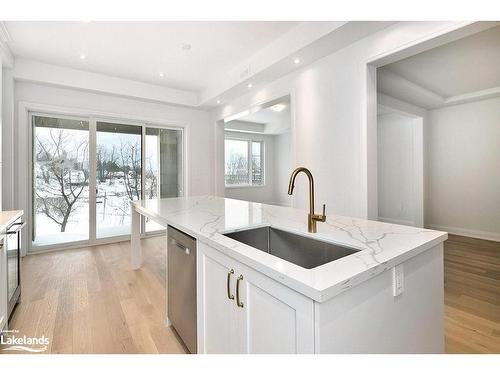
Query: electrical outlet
{"type": "Point", "coordinates": [398, 280]}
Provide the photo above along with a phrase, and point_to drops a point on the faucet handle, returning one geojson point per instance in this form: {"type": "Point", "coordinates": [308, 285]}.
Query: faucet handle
{"type": "Point", "coordinates": [322, 217]}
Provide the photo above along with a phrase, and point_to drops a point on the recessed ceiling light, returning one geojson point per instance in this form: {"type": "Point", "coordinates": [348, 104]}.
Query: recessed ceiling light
{"type": "Point", "coordinates": [249, 85]}
{"type": "Point", "coordinates": [161, 75]}
{"type": "Point", "coordinates": [218, 101]}
{"type": "Point", "coordinates": [186, 46]}
{"type": "Point", "coordinates": [278, 107]}
{"type": "Point", "coordinates": [83, 56]}
{"type": "Point", "coordinates": [296, 61]}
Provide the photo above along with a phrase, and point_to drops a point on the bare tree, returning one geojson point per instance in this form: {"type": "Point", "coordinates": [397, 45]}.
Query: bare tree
{"type": "Point", "coordinates": [130, 154]}
{"type": "Point", "coordinates": [152, 178]}
{"type": "Point", "coordinates": [106, 159]}
{"type": "Point", "coordinates": [101, 159]}
{"type": "Point", "coordinates": [236, 169]}
{"type": "Point", "coordinates": [63, 176]}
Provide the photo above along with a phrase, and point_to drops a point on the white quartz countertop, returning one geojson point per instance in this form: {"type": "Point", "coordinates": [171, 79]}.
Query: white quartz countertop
{"type": "Point", "coordinates": [382, 245]}
{"type": "Point", "coordinates": [8, 217]}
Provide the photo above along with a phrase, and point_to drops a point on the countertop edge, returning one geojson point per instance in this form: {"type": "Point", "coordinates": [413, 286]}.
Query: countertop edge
{"type": "Point", "coordinates": [296, 285]}
{"type": "Point", "coordinates": [16, 214]}
{"type": "Point", "coordinates": [315, 294]}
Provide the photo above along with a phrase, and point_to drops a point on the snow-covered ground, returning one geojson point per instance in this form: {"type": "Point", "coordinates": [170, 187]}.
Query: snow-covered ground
{"type": "Point", "coordinates": [112, 217]}
{"type": "Point", "coordinates": [112, 199]}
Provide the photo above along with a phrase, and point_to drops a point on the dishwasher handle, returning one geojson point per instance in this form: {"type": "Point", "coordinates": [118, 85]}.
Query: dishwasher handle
{"type": "Point", "coordinates": [180, 246]}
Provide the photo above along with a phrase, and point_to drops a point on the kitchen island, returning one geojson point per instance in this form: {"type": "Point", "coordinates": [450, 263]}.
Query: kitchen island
{"type": "Point", "coordinates": [387, 297]}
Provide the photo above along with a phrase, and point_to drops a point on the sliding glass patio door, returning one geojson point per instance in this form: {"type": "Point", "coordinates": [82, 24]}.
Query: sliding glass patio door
{"type": "Point", "coordinates": [85, 173]}
{"type": "Point", "coordinates": [118, 176]}
{"type": "Point", "coordinates": [60, 170]}
{"type": "Point", "coordinates": [163, 166]}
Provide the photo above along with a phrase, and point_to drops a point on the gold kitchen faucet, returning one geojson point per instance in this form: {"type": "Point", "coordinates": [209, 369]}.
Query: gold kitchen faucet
{"type": "Point", "coordinates": [312, 218]}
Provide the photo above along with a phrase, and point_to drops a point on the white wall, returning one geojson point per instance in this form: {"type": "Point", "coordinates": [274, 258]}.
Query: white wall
{"type": "Point", "coordinates": [261, 194]}
{"type": "Point", "coordinates": [329, 104]}
{"type": "Point", "coordinates": [280, 124]}
{"type": "Point", "coordinates": [407, 204]}
{"type": "Point", "coordinates": [326, 132]}
{"type": "Point", "coordinates": [1, 126]}
{"type": "Point", "coordinates": [199, 134]}
{"type": "Point", "coordinates": [7, 144]}
{"type": "Point", "coordinates": [463, 185]}
{"type": "Point", "coordinates": [395, 168]}
{"type": "Point", "coordinates": [282, 167]}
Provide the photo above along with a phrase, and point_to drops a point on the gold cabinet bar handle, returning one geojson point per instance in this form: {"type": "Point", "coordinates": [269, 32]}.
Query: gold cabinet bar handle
{"type": "Point", "coordinates": [229, 295]}
{"type": "Point", "coordinates": [238, 302]}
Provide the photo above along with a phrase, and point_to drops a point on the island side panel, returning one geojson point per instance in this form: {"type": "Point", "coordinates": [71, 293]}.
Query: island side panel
{"type": "Point", "coordinates": [369, 319]}
{"type": "Point", "coordinates": [135, 239]}
{"type": "Point", "coordinates": [168, 323]}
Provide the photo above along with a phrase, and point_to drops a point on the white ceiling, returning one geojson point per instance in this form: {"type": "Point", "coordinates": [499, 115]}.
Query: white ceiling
{"type": "Point", "coordinates": [141, 50]}
{"type": "Point", "coordinates": [273, 122]}
{"type": "Point", "coordinates": [268, 116]}
{"type": "Point", "coordinates": [439, 76]}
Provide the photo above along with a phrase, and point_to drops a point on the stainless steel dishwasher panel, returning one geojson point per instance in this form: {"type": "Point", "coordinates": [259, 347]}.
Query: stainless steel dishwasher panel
{"type": "Point", "coordinates": [181, 253]}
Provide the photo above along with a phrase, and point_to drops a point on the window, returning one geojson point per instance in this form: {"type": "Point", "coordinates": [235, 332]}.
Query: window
{"type": "Point", "coordinates": [257, 176]}
{"type": "Point", "coordinates": [129, 162]}
{"type": "Point", "coordinates": [244, 163]}
{"type": "Point", "coordinates": [163, 167]}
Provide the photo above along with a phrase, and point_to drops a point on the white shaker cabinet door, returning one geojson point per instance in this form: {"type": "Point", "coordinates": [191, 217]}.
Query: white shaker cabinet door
{"type": "Point", "coordinates": [216, 308]}
{"type": "Point", "coordinates": [276, 318]}
{"type": "Point", "coordinates": [260, 315]}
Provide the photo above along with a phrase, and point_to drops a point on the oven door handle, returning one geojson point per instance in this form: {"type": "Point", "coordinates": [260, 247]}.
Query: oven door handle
{"type": "Point", "coordinates": [18, 226]}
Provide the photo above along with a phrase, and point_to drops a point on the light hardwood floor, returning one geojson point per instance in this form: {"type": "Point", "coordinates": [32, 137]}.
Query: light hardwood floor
{"type": "Point", "coordinates": [90, 301]}
{"type": "Point", "coordinates": [472, 295]}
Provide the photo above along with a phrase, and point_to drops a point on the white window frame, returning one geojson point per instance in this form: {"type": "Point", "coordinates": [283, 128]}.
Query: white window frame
{"type": "Point", "coordinates": [28, 110]}
{"type": "Point", "coordinates": [249, 142]}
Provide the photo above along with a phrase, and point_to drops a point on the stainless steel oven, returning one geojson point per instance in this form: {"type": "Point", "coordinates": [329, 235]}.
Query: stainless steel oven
{"type": "Point", "coordinates": [13, 247]}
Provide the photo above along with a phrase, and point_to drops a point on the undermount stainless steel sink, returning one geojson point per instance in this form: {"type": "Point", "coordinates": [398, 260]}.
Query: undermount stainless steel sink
{"type": "Point", "coordinates": [300, 250]}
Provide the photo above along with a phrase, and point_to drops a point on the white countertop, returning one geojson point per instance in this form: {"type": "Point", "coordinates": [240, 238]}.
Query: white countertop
{"type": "Point", "coordinates": [8, 217]}
{"type": "Point", "coordinates": [382, 245]}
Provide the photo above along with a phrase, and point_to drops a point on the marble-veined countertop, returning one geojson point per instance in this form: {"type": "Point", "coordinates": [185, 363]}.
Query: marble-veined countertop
{"type": "Point", "coordinates": [8, 217]}
{"type": "Point", "coordinates": [381, 245]}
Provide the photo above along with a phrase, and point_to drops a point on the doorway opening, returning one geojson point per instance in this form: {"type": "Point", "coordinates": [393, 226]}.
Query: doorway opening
{"type": "Point", "coordinates": [257, 152]}
{"type": "Point", "coordinates": [453, 90]}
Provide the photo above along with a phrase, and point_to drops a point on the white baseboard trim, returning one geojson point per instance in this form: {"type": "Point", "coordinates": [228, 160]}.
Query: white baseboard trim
{"type": "Point", "coordinates": [396, 221]}
{"type": "Point", "coordinates": [491, 236]}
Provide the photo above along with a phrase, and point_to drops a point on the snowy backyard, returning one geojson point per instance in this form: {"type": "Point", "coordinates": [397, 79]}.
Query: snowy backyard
{"type": "Point", "coordinates": [61, 183]}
